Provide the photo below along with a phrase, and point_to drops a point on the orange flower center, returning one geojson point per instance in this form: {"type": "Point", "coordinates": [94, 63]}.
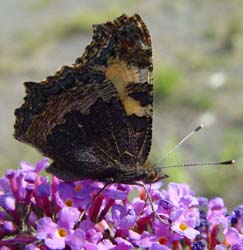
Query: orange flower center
{"type": "Point", "coordinates": [183, 226]}
{"type": "Point", "coordinates": [62, 232]}
{"type": "Point", "coordinates": [226, 243]}
{"type": "Point", "coordinates": [69, 202]}
{"type": "Point", "coordinates": [78, 188]}
{"type": "Point", "coordinates": [162, 240]}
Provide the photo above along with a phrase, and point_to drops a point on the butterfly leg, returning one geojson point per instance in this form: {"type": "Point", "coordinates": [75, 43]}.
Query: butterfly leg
{"type": "Point", "coordinates": [148, 197]}
{"type": "Point", "coordinates": [110, 181]}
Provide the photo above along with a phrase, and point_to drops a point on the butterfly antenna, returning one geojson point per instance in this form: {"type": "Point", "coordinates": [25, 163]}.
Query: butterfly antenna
{"type": "Point", "coordinates": [198, 128]}
{"type": "Point", "coordinates": [230, 162]}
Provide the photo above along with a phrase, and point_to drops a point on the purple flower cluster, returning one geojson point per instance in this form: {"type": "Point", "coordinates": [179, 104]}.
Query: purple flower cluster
{"type": "Point", "coordinates": [36, 214]}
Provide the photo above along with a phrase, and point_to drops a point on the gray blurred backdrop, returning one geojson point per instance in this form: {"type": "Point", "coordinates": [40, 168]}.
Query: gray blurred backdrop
{"type": "Point", "coordinates": [198, 74]}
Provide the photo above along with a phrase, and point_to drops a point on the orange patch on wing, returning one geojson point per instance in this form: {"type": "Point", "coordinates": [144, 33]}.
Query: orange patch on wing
{"type": "Point", "coordinates": [134, 107]}
{"type": "Point", "coordinates": [121, 75]}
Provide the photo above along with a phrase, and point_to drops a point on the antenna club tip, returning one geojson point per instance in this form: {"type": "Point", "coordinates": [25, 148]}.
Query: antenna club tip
{"type": "Point", "coordinates": [199, 127]}
{"type": "Point", "coordinates": [230, 162]}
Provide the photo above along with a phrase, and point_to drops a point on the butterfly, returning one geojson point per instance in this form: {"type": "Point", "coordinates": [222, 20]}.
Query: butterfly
{"type": "Point", "coordinates": [94, 118]}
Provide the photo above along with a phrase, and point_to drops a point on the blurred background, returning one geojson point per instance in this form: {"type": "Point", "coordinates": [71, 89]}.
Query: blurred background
{"type": "Point", "coordinates": [198, 74]}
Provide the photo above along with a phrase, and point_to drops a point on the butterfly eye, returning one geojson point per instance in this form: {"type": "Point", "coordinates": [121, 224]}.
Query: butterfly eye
{"type": "Point", "coordinates": [153, 176]}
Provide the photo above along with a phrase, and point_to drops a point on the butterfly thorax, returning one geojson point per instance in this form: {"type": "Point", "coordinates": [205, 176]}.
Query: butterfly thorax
{"type": "Point", "coordinates": [147, 173]}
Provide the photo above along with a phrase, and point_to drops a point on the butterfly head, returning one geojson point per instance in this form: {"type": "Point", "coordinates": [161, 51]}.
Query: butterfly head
{"type": "Point", "coordinates": [154, 174]}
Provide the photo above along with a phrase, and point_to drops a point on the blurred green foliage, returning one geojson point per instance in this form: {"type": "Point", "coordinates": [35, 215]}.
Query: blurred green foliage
{"type": "Point", "coordinates": [166, 80]}
{"type": "Point", "coordinates": [232, 145]}
{"type": "Point", "coordinates": [198, 102]}
{"type": "Point", "coordinates": [38, 5]}
{"type": "Point", "coordinates": [63, 27]}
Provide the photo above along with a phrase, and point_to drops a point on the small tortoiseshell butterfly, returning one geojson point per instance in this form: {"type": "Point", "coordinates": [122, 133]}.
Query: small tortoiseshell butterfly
{"type": "Point", "coordinates": [94, 118]}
